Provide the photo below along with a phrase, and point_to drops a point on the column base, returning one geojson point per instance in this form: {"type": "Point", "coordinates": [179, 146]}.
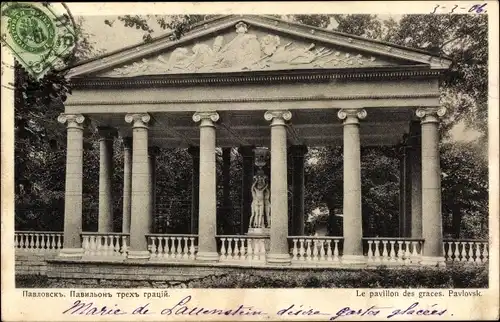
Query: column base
{"type": "Point", "coordinates": [138, 254]}
{"type": "Point", "coordinates": [207, 257]}
{"type": "Point", "coordinates": [436, 261]}
{"type": "Point", "coordinates": [282, 259]}
{"type": "Point", "coordinates": [71, 252]}
{"type": "Point", "coordinates": [353, 259]}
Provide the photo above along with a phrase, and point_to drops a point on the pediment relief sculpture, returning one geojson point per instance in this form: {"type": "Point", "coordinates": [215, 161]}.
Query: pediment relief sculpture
{"type": "Point", "coordinates": [245, 52]}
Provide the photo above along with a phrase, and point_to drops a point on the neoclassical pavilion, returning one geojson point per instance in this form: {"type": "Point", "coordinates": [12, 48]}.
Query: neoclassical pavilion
{"type": "Point", "coordinates": [257, 81]}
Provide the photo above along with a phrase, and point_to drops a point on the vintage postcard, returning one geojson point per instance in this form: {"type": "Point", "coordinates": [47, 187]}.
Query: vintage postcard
{"type": "Point", "coordinates": [250, 161]}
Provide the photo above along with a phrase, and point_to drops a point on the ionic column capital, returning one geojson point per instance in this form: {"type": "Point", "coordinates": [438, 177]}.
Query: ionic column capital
{"type": "Point", "coordinates": [206, 118]}
{"type": "Point", "coordinates": [106, 133]}
{"type": "Point", "coordinates": [278, 117]}
{"type": "Point", "coordinates": [138, 120]}
{"type": "Point", "coordinates": [127, 143]}
{"type": "Point", "coordinates": [430, 114]}
{"type": "Point", "coordinates": [74, 121]}
{"type": "Point", "coordinates": [153, 151]}
{"type": "Point", "coordinates": [351, 115]}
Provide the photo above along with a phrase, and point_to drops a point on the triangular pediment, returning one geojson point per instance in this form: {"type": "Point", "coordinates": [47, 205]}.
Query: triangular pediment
{"type": "Point", "coordinates": [253, 43]}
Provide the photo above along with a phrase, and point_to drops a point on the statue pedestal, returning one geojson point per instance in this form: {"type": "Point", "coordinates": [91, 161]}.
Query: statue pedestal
{"type": "Point", "coordinates": [263, 233]}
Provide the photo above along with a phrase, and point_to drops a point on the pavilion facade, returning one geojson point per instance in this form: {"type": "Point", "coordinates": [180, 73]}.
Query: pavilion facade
{"type": "Point", "coordinates": [251, 81]}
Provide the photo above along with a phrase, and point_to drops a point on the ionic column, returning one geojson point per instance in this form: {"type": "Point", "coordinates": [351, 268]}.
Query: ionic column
{"type": "Point", "coordinates": [278, 251]}
{"type": "Point", "coordinates": [416, 183]}
{"type": "Point", "coordinates": [195, 188]}
{"type": "Point", "coordinates": [432, 230]}
{"type": "Point", "coordinates": [247, 154]}
{"type": "Point", "coordinates": [105, 216]}
{"type": "Point", "coordinates": [127, 184]}
{"type": "Point", "coordinates": [353, 227]}
{"type": "Point", "coordinates": [141, 192]}
{"type": "Point", "coordinates": [298, 153]}
{"type": "Point", "coordinates": [207, 227]}
{"type": "Point", "coordinates": [152, 154]}
{"type": "Point", "coordinates": [72, 246]}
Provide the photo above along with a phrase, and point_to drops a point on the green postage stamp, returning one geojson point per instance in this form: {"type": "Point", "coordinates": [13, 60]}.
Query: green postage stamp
{"type": "Point", "coordinates": [40, 35]}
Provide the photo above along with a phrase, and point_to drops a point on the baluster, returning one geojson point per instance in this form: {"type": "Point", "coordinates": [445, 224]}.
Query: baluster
{"type": "Point", "coordinates": [99, 245]}
{"type": "Point", "coordinates": [42, 241]}
{"type": "Point", "coordinates": [32, 242]}
{"type": "Point", "coordinates": [463, 253]}
{"type": "Point", "coordinates": [85, 245]}
{"type": "Point", "coordinates": [485, 252]}
{"type": "Point", "coordinates": [236, 249]}
{"type": "Point", "coordinates": [302, 250]}
{"type": "Point", "coordinates": [16, 241]}
{"type": "Point", "coordinates": [329, 256]}
{"type": "Point", "coordinates": [336, 250]}
{"type": "Point", "coordinates": [376, 254]}
{"type": "Point", "coordinates": [406, 252]}
{"type": "Point", "coordinates": [185, 248]}
{"type": "Point", "coordinates": [470, 253]}
{"type": "Point", "coordinates": [456, 253]}
{"type": "Point", "coordinates": [230, 254]}
{"type": "Point", "coordinates": [59, 241]}
{"type": "Point", "coordinates": [191, 248]}
{"type": "Point", "coordinates": [308, 253]}
{"type": "Point", "coordinates": [322, 252]}
{"type": "Point", "coordinates": [123, 249]}
{"type": "Point", "coordinates": [177, 247]}
{"type": "Point", "coordinates": [223, 252]}
{"type": "Point", "coordinates": [36, 242]}
{"type": "Point", "coordinates": [385, 252]}
{"type": "Point", "coordinates": [295, 251]}
{"type": "Point", "coordinates": [92, 245]}
{"type": "Point", "coordinates": [399, 254]}
{"type": "Point", "coordinates": [262, 244]}
{"type": "Point", "coordinates": [370, 251]}
{"type": "Point", "coordinates": [315, 249]}
{"type": "Point", "coordinates": [392, 251]}
{"type": "Point", "coordinates": [154, 247]}
{"type": "Point", "coordinates": [162, 247]}
{"type": "Point", "coordinates": [22, 241]}
{"type": "Point", "coordinates": [116, 243]}
{"type": "Point", "coordinates": [109, 245]}
{"type": "Point", "coordinates": [52, 243]}
{"type": "Point", "coordinates": [243, 248]}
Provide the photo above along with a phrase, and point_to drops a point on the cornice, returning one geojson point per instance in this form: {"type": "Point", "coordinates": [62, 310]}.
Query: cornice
{"type": "Point", "coordinates": [254, 78]}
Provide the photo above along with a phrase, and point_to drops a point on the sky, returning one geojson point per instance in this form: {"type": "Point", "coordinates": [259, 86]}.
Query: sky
{"type": "Point", "coordinates": [107, 39]}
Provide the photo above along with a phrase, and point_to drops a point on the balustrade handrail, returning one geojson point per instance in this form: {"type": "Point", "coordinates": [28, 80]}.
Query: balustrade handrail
{"type": "Point", "coordinates": [93, 233]}
{"type": "Point", "coordinates": [393, 238]}
{"type": "Point", "coordinates": [465, 240]}
{"type": "Point", "coordinates": [243, 236]}
{"type": "Point", "coordinates": [171, 235]}
{"type": "Point", "coordinates": [37, 232]}
{"type": "Point", "coordinates": [318, 237]}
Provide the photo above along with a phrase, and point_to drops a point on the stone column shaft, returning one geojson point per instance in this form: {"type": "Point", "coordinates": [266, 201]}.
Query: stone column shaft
{"type": "Point", "coordinates": [141, 208]}
{"type": "Point", "coordinates": [105, 217]}
{"type": "Point", "coordinates": [195, 188]}
{"type": "Point", "coordinates": [278, 250]}
{"type": "Point", "coordinates": [207, 228]}
{"type": "Point", "coordinates": [127, 184]}
{"type": "Point", "coordinates": [432, 230]}
{"type": "Point", "coordinates": [72, 246]}
{"type": "Point", "coordinates": [353, 224]}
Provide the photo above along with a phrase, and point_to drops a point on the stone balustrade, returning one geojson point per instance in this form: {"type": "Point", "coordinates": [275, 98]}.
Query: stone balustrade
{"type": "Point", "coordinates": [172, 247]}
{"type": "Point", "coordinates": [241, 248]}
{"type": "Point", "coordinates": [398, 250]}
{"type": "Point", "coordinates": [317, 249]}
{"type": "Point", "coordinates": [466, 250]}
{"type": "Point", "coordinates": [38, 241]}
{"type": "Point", "coordinates": [105, 244]}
